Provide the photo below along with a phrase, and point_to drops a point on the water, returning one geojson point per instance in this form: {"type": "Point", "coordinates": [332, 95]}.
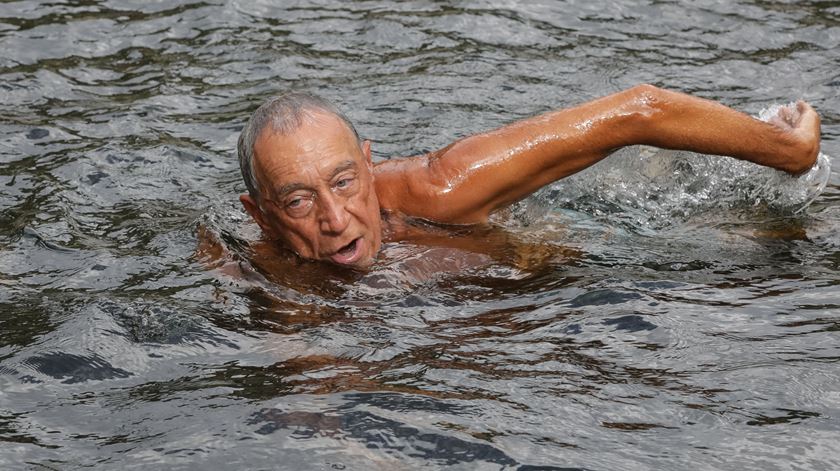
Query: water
{"type": "Point", "coordinates": [658, 311]}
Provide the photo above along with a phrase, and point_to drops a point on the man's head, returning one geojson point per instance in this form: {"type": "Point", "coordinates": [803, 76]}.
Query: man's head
{"type": "Point", "coordinates": [310, 180]}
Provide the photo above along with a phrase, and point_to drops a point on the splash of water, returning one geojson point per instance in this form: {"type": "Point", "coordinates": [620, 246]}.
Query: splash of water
{"type": "Point", "coordinates": [650, 188]}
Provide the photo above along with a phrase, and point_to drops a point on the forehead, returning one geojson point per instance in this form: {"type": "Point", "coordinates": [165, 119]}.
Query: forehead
{"type": "Point", "coordinates": [322, 143]}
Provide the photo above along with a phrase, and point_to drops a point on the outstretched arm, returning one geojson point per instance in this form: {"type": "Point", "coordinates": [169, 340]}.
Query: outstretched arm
{"type": "Point", "coordinates": [468, 180]}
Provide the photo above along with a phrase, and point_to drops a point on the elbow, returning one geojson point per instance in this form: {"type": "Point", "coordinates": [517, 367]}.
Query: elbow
{"type": "Point", "coordinates": [646, 90]}
{"type": "Point", "coordinates": [644, 108]}
{"type": "Point", "coordinates": [646, 100]}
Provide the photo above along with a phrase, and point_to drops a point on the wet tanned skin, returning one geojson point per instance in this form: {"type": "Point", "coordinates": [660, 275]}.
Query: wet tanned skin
{"type": "Point", "coordinates": [464, 183]}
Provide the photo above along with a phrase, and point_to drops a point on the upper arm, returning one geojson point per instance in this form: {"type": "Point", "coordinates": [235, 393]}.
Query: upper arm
{"type": "Point", "coordinates": [475, 176]}
{"type": "Point", "coordinates": [426, 186]}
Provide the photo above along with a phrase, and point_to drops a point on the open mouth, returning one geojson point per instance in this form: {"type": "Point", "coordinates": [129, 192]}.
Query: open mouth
{"type": "Point", "coordinates": [349, 253]}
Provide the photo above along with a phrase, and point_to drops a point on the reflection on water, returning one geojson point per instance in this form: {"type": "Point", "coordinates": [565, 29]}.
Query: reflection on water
{"type": "Point", "coordinates": [661, 310]}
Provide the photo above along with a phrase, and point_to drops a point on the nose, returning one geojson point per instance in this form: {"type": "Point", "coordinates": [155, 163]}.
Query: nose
{"type": "Point", "coordinates": [332, 215]}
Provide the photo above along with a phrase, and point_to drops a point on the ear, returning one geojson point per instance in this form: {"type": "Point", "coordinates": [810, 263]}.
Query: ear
{"type": "Point", "coordinates": [253, 208]}
{"type": "Point", "coordinates": [366, 151]}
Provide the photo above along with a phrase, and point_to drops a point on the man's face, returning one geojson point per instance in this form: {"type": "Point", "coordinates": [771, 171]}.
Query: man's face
{"type": "Point", "coordinates": [316, 192]}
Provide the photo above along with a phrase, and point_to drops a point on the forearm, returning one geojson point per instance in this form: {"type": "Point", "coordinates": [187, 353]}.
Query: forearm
{"type": "Point", "coordinates": [679, 121]}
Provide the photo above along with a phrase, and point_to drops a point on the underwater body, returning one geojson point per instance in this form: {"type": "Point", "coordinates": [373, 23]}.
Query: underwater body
{"type": "Point", "coordinates": [658, 310]}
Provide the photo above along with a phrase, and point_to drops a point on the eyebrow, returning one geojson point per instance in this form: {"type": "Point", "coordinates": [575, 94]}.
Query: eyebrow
{"type": "Point", "coordinates": [290, 187]}
{"type": "Point", "coordinates": [346, 165]}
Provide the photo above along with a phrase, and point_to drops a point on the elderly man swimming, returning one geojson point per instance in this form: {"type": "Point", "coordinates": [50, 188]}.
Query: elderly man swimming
{"type": "Point", "coordinates": [313, 188]}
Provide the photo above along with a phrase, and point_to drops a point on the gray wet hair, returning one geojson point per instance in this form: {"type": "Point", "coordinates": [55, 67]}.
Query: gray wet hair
{"type": "Point", "coordinates": [284, 113]}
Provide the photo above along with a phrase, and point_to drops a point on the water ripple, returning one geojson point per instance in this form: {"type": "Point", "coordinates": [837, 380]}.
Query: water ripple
{"type": "Point", "coordinates": [661, 310]}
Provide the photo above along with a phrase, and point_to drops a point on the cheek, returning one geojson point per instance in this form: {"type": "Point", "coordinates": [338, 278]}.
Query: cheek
{"type": "Point", "coordinates": [371, 211]}
{"type": "Point", "coordinates": [300, 236]}
{"type": "Point", "coordinates": [362, 205]}
{"type": "Point", "coordinates": [304, 246]}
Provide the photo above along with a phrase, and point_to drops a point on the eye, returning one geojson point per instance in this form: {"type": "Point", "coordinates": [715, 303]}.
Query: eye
{"type": "Point", "coordinates": [344, 183]}
{"type": "Point", "coordinates": [298, 205]}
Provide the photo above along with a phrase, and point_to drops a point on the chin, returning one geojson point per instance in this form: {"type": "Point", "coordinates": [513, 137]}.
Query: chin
{"type": "Point", "coordinates": [359, 265]}
{"type": "Point", "coordinates": [362, 264]}
{"type": "Point", "coordinates": [365, 261]}
{"type": "Point", "coordinates": [361, 259]}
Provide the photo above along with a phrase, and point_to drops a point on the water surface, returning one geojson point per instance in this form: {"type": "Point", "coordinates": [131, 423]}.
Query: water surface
{"type": "Point", "coordinates": [658, 311]}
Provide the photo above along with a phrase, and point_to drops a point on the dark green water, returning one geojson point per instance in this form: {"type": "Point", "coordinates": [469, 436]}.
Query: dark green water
{"type": "Point", "coordinates": [658, 311]}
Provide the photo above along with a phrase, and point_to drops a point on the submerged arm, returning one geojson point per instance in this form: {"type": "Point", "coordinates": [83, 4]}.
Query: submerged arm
{"type": "Point", "coordinates": [468, 180]}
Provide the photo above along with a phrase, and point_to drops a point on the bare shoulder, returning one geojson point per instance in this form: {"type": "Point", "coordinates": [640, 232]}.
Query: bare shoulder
{"type": "Point", "coordinates": [401, 183]}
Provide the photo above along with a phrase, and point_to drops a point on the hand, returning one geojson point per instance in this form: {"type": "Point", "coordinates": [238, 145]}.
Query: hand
{"type": "Point", "coordinates": [802, 124]}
